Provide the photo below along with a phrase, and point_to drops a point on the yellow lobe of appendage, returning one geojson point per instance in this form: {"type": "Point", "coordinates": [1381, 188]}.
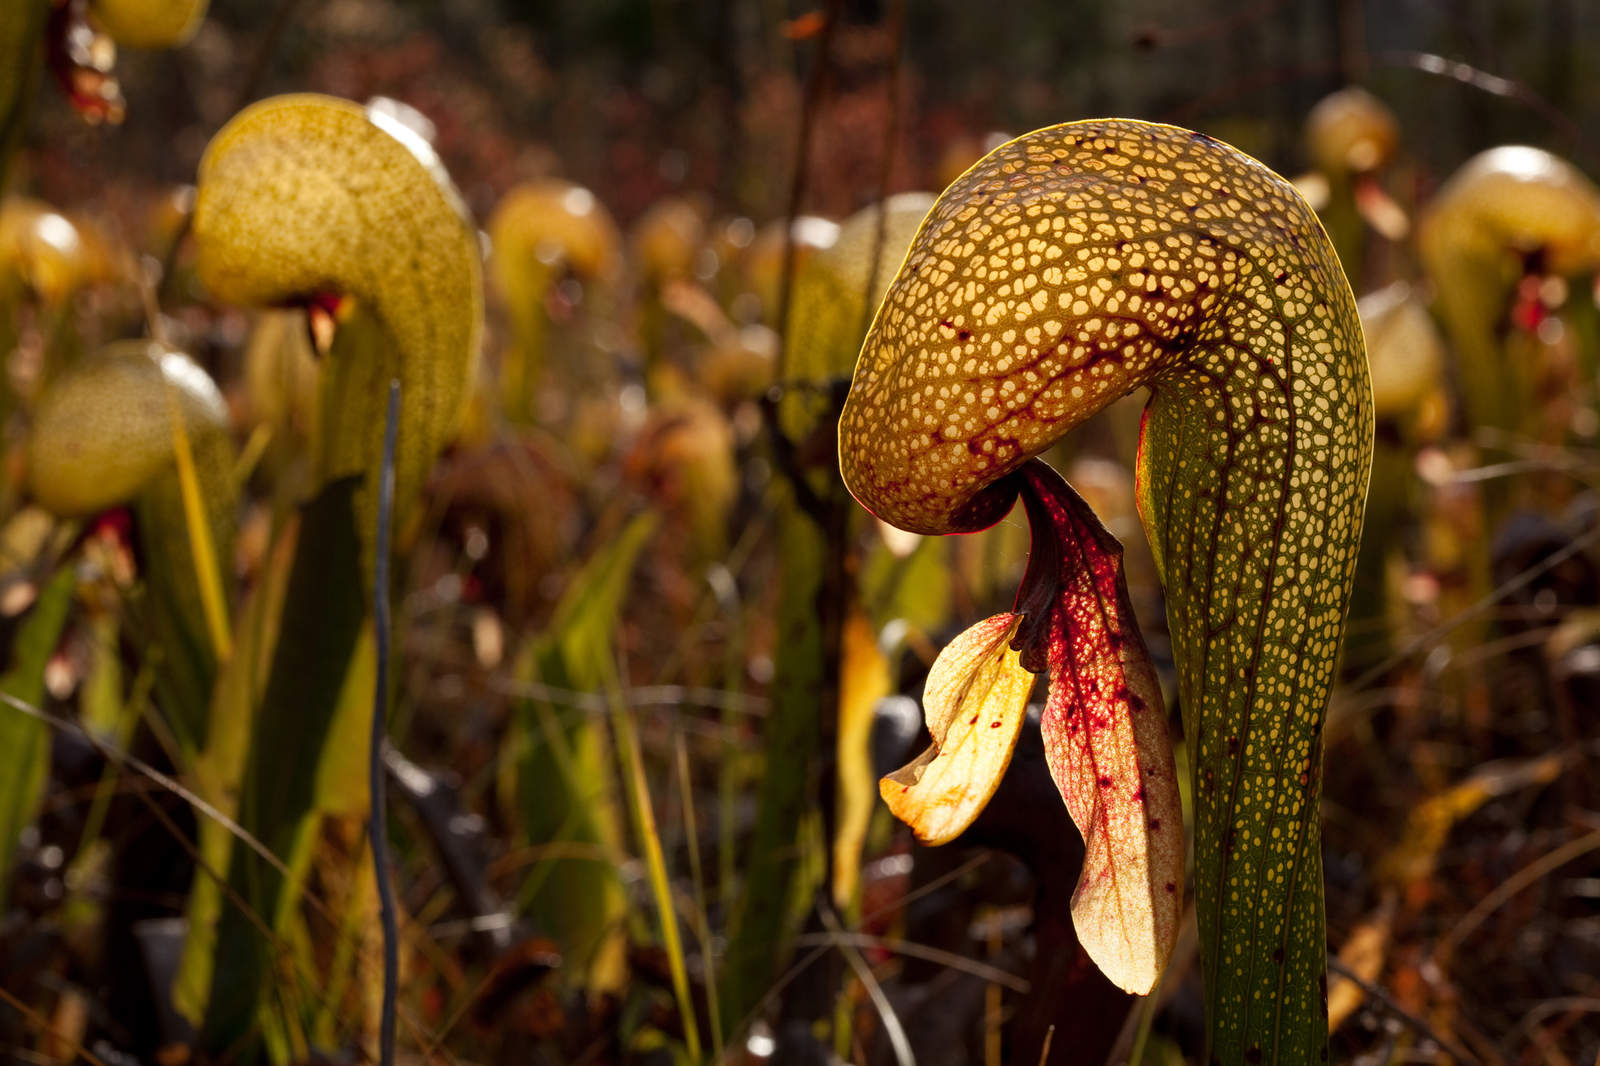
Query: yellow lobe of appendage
{"type": "Point", "coordinates": [305, 196]}
{"type": "Point", "coordinates": [1064, 270]}
{"type": "Point", "coordinates": [974, 702]}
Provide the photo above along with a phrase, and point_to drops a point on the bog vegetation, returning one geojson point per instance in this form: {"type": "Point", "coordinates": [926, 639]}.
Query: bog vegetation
{"type": "Point", "coordinates": [690, 756]}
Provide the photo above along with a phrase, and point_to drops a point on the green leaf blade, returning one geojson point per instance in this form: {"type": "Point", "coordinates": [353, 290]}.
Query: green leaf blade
{"type": "Point", "coordinates": [25, 739]}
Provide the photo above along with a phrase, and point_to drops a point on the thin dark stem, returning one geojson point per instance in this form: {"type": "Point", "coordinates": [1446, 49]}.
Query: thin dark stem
{"type": "Point", "coordinates": [891, 138]}
{"type": "Point", "coordinates": [783, 449]}
{"type": "Point", "coordinates": [378, 822]}
{"type": "Point", "coordinates": [1494, 85]}
{"type": "Point", "coordinates": [797, 185]}
{"type": "Point", "coordinates": [788, 462]}
{"type": "Point", "coordinates": [1377, 993]}
{"type": "Point", "coordinates": [1429, 640]}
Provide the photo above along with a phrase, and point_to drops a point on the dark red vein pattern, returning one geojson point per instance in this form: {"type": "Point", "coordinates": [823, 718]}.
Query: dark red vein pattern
{"type": "Point", "coordinates": [1105, 735]}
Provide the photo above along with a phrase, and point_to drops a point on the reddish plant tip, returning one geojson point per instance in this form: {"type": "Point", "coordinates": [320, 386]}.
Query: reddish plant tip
{"type": "Point", "coordinates": [324, 311]}
{"type": "Point", "coordinates": [977, 677]}
{"type": "Point", "coordinates": [82, 59]}
{"type": "Point", "coordinates": [114, 525]}
{"type": "Point", "coordinates": [329, 302]}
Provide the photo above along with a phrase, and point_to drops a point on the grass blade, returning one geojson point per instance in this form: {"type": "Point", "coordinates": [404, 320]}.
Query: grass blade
{"type": "Point", "coordinates": [650, 842]}
{"type": "Point", "coordinates": [204, 550]}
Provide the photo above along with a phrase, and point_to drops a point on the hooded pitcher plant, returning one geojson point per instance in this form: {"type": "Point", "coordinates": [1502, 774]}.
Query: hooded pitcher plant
{"type": "Point", "coordinates": [315, 202]}
{"type": "Point", "coordinates": [1061, 272]}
